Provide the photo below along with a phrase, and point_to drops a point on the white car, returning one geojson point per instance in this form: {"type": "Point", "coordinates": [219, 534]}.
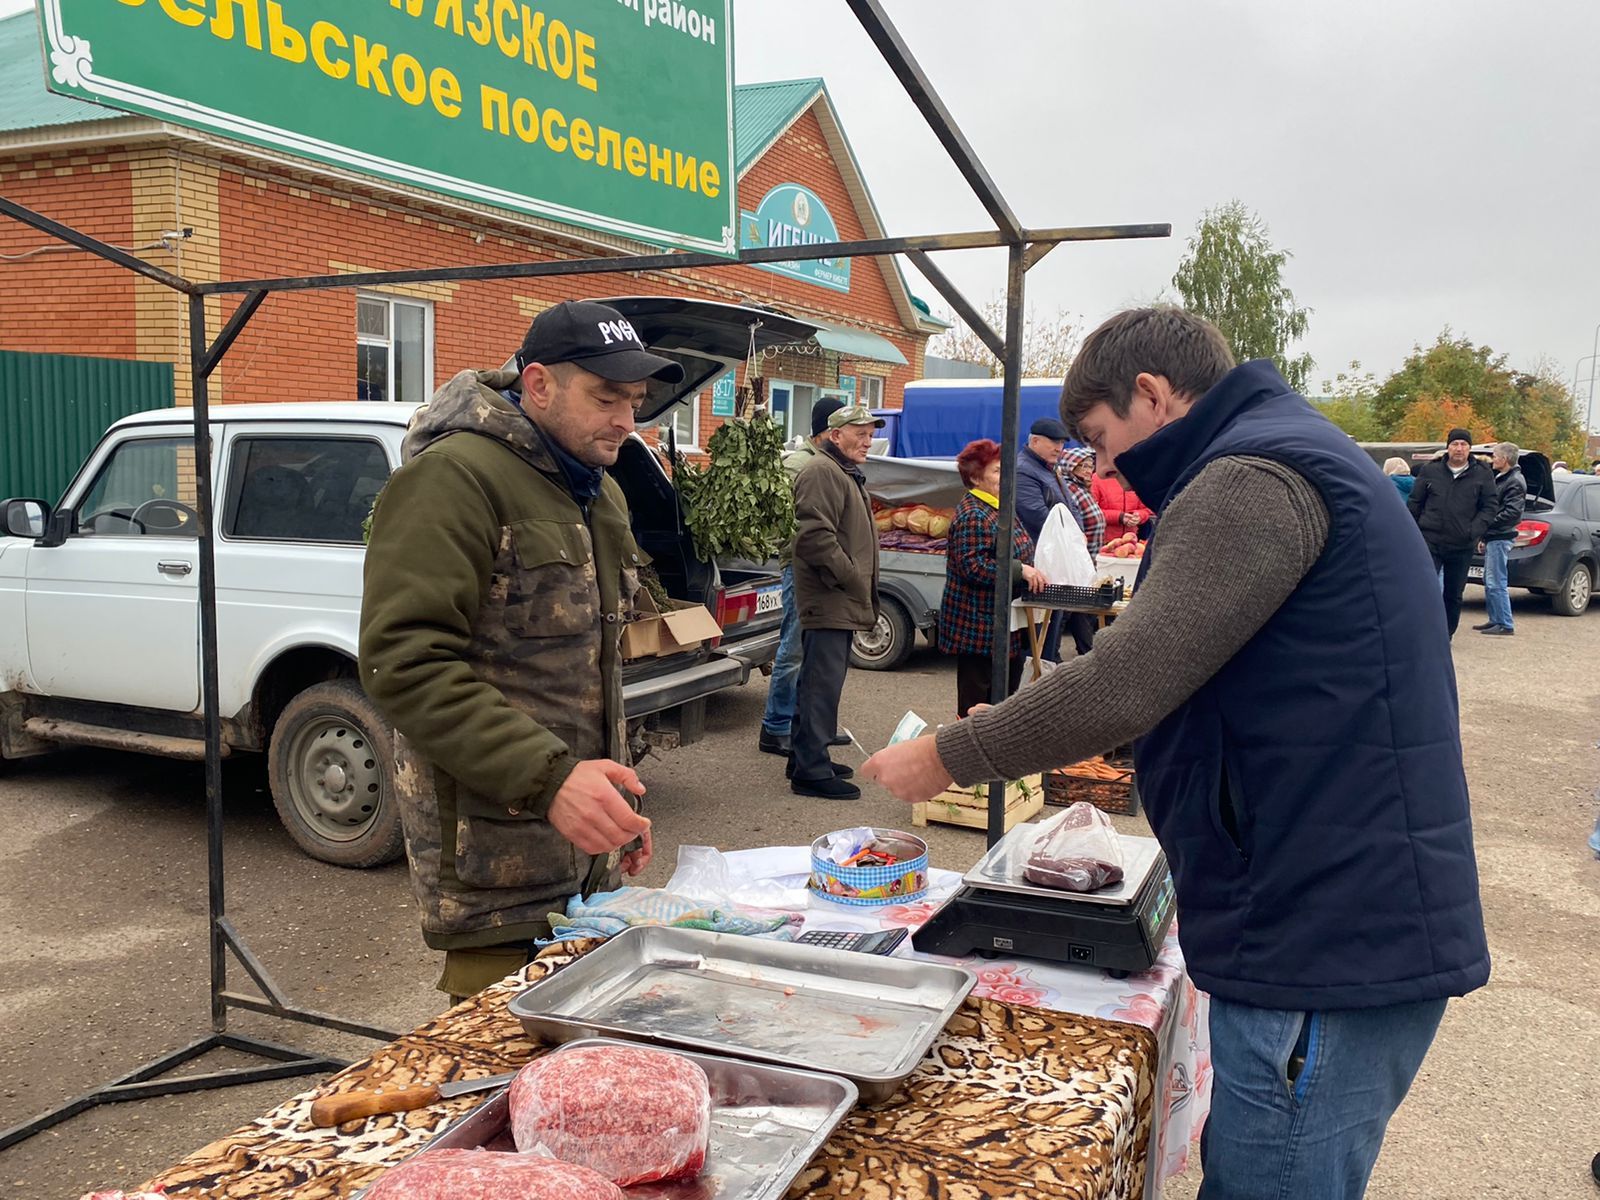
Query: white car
{"type": "Point", "coordinates": [99, 612]}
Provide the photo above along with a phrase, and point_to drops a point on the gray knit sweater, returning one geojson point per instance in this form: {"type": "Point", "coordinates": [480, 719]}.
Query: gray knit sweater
{"type": "Point", "coordinates": [1233, 546]}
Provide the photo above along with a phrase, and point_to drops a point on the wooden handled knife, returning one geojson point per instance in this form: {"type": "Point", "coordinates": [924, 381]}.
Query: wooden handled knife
{"type": "Point", "coordinates": [356, 1106]}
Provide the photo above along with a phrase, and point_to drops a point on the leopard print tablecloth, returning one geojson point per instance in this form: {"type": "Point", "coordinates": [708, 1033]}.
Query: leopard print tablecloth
{"type": "Point", "coordinates": [1012, 1101]}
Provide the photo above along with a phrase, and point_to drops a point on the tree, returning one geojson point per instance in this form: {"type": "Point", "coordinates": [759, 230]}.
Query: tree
{"type": "Point", "coordinates": [1431, 418]}
{"type": "Point", "coordinates": [1535, 409]}
{"type": "Point", "coordinates": [1348, 402]}
{"type": "Point", "coordinates": [1233, 277]}
{"type": "Point", "coordinates": [1048, 344]}
{"type": "Point", "coordinates": [1452, 366]}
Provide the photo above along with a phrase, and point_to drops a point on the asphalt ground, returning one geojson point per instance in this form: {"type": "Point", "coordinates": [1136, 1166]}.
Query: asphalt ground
{"type": "Point", "coordinates": [103, 910]}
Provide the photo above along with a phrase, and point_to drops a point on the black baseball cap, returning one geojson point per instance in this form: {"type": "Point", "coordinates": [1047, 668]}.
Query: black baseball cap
{"type": "Point", "coordinates": [1049, 427]}
{"type": "Point", "coordinates": [597, 338]}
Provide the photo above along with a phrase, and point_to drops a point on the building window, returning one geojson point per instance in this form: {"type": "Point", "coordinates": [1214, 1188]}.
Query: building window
{"type": "Point", "coordinates": [869, 390]}
{"type": "Point", "coordinates": [394, 349]}
{"type": "Point", "coordinates": [686, 424]}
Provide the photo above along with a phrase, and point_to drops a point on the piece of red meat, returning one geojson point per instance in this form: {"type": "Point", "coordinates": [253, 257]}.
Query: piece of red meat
{"type": "Point", "coordinates": [633, 1114]}
{"type": "Point", "coordinates": [484, 1175]}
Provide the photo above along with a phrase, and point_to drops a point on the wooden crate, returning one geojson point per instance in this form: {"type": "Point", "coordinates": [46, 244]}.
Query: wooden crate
{"type": "Point", "coordinates": [969, 806]}
{"type": "Point", "coordinates": [1118, 796]}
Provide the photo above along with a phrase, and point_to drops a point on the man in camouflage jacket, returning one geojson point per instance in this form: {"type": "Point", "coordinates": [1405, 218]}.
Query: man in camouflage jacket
{"type": "Point", "coordinates": [499, 574]}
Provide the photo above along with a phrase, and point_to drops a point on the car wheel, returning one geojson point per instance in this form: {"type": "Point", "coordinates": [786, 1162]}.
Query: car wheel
{"type": "Point", "coordinates": [1571, 599]}
{"type": "Point", "coordinates": [330, 766]}
{"type": "Point", "coordinates": [885, 646]}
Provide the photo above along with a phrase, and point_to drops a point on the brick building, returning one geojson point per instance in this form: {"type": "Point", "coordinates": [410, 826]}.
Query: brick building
{"type": "Point", "coordinates": [210, 209]}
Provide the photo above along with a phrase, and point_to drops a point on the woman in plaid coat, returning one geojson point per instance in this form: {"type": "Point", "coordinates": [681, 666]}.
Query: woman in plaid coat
{"type": "Point", "coordinates": [966, 614]}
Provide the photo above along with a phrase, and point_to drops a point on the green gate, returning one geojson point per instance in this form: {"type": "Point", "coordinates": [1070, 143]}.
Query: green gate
{"type": "Point", "coordinates": [55, 407]}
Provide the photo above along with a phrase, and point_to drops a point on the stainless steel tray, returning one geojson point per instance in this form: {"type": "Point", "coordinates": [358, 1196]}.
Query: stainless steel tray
{"type": "Point", "coordinates": [1000, 870]}
{"type": "Point", "coordinates": [766, 1124]}
{"type": "Point", "coordinates": [863, 1016]}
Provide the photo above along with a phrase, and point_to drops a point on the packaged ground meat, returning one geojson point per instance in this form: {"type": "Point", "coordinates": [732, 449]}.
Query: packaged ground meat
{"type": "Point", "coordinates": [485, 1175]}
{"type": "Point", "coordinates": [1076, 850]}
{"type": "Point", "coordinates": [633, 1114]}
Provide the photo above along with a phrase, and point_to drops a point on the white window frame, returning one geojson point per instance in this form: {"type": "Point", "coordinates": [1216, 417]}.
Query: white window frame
{"type": "Point", "coordinates": [366, 339]}
{"type": "Point", "coordinates": [866, 383]}
{"type": "Point", "coordinates": [692, 407]}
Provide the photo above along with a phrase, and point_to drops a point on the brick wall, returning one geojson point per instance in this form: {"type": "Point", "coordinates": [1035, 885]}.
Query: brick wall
{"type": "Point", "coordinates": [254, 220]}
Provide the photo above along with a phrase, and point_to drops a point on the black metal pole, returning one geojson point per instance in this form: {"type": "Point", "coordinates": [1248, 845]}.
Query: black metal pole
{"type": "Point", "coordinates": [1010, 421]}
{"type": "Point", "coordinates": [870, 248]}
{"type": "Point", "coordinates": [200, 366]}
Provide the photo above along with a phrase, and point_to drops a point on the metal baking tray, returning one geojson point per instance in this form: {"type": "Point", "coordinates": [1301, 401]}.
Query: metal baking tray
{"type": "Point", "coordinates": [767, 1123]}
{"type": "Point", "coordinates": [863, 1016]}
{"type": "Point", "coordinates": [1000, 870]}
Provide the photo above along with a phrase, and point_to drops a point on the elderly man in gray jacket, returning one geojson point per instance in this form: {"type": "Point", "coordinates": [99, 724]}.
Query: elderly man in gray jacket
{"type": "Point", "coordinates": [836, 590]}
{"type": "Point", "coordinates": [1511, 497]}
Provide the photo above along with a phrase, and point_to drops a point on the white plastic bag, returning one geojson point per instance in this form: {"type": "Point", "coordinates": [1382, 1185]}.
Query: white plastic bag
{"type": "Point", "coordinates": [1061, 552]}
{"type": "Point", "coordinates": [1077, 850]}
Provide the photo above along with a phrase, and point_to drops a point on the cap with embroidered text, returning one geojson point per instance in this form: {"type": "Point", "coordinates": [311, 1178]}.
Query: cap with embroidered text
{"type": "Point", "coordinates": [597, 338]}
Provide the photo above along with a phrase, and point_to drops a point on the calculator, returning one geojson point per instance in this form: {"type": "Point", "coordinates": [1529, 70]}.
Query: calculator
{"type": "Point", "coordinates": [881, 942]}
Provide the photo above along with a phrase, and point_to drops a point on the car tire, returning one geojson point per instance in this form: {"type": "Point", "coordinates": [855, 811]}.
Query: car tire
{"type": "Point", "coordinates": [1571, 599]}
{"type": "Point", "coordinates": [886, 645]}
{"type": "Point", "coordinates": [330, 767]}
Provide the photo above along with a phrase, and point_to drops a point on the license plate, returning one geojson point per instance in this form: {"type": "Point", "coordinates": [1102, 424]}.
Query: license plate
{"type": "Point", "coordinates": [769, 600]}
{"type": "Point", "coordinates": [1475, 574]}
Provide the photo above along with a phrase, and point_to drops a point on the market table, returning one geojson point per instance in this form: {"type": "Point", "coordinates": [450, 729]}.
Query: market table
{"type": "Point", "coordinates": [1014, 1097]}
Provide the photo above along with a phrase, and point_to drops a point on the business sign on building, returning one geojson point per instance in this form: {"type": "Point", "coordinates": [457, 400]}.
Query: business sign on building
{"type": "Point", "coordinates": [790, 215]}
{"type": "Point", "coordinates": [615, 116]}
{"type": "Point", "coordinates": [723, 396]}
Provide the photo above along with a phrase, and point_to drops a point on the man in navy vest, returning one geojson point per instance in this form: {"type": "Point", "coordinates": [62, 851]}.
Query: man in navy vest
{"type": "Point", "coordinates": [1286, 662]}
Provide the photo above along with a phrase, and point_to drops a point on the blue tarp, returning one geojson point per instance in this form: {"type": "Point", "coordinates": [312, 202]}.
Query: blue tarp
{"type": "Point", "coordinates": [941, 417]}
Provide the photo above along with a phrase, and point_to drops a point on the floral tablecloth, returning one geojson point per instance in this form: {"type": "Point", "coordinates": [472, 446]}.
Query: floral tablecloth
{"type": "Point", "coordinates": [1162, 999]}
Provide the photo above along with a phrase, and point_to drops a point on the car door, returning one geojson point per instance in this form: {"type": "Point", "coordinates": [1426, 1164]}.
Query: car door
{"type": "Point", "coordinates": [289, 560]}
{"type": "Point", "coordinates": [112, 612]}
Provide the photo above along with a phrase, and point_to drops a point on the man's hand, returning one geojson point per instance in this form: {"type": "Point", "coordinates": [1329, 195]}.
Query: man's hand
{"type": "Point", "coordinates": [635, 861]}
{"type": "Point", "coordinates": [910, 771]}
{"type": "Point", "coordinates": [1034, 578]}
{"type": "Point", "coordinates": [1483, 547]}
{"type": "Point", "coordinates": [591, 814]}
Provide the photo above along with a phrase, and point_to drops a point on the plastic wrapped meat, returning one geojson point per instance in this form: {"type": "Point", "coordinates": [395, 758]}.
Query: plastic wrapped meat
{"type": "Point", "coordinates": [1076, 851]}
{"type": "Point", "coordinates": [633, 1114]}
{"type": "Point", "coordinates": [485, 1175]}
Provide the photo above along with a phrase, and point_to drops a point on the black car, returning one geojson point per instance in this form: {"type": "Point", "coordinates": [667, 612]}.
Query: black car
{"type": "Point", "coordinates": [1557, 548]}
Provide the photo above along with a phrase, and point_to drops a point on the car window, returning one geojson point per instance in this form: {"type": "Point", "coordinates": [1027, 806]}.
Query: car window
{"type": "Point", "coordinates": [145, 489]}
{"type": "Point", "coordinates": [304, 489]}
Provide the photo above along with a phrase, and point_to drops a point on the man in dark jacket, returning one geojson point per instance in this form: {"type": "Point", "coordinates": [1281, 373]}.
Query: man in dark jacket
{"type": "Point", "coordinates": [1511, 497]}
{"type": "Point", "coordinates": [1039, 489]}
{"type": "Point", "coordinates": [1453, 502]}
{"type": "Point", "coordinates": [836, 590]}
{"type": "Point", "coordinates": [499, 577]}
{"type": "Point", "coordinates": [1301, 754]}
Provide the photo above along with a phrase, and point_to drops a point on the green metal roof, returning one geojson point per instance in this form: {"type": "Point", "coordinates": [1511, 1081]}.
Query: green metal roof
{"type": "Point", "coordinates": [857, 343]}
{"type": "Point", "coordinates": [24, 103]}
{"type": "Point", "coordinates": [761, 111]}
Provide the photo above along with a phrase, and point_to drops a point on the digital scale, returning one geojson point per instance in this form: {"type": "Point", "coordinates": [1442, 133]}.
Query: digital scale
{"type": "Point", "coordinates": [996, 911]}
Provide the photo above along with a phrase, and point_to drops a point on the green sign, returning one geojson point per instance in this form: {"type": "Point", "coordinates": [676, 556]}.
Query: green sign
{"type": "Point", "coordinates": [790, 215]}
{"type": "Point", "coordinates": [722, 396]}
{"type": "Point", "coordinates": [847, 385]}
{"type": "Point", "coordinates": [610, 114]}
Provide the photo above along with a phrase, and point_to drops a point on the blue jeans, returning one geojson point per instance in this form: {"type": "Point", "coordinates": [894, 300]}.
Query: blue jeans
{"type": "Point", "coordinates": [1496, 561]}
{"type": "Point", "coordinates": [781, 688]}
{"type": "Point", "coordinates": [1594, 838]}
{"type": "Point", "coordinates": [1281, 1129]}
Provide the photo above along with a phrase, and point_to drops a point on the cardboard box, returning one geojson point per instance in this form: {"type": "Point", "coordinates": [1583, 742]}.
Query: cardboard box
{"type": "Point", "coordinates": [653, 633]}
{"type": "Point", "coordinates": [969, 806]}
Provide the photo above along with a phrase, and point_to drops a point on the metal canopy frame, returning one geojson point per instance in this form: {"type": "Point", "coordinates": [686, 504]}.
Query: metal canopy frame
{"type": "Point", "coordinates": [1024, 246]}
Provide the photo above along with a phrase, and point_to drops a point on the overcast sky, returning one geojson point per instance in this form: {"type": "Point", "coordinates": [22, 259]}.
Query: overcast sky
{"type": "Point", "coordinates": [1427, 162]}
